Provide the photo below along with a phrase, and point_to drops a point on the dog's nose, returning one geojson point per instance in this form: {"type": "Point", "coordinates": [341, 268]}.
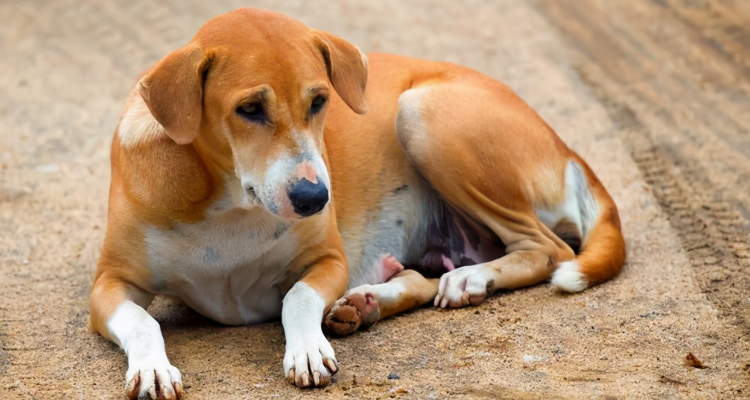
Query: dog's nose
{"type": "Point", "coordinates": [308, 198]}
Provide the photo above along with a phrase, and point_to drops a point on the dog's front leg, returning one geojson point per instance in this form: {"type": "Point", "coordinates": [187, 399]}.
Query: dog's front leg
{"type": "Point", "coordinates": [118, 313]}
{"type": "Point", "coordinates": [309, 359]}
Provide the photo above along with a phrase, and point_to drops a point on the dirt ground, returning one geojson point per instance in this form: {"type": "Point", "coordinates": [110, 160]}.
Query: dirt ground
{"type": "Point", "coordinates": [655, 94]}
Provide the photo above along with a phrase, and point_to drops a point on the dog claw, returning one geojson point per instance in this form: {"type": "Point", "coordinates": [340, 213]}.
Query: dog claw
{"type": "Point", "coordinates": [307, 362]}
{"type": "Point", "coordinates": [304, 379]}
{"type": "Point", "coordinates": [131, 390]}
{"type": "Point", "coordinates": [331, 365]}
{"type": "Point", "coordinates": [290, 376]}
{"type": "Point", "coordinates": [316, 378]}
{"type": "Point", "coordinates": [178, 390]}
{"type": "Point", "coordinates": [152, 392]}
{"type": "Point", "coordinates": [161, 382]}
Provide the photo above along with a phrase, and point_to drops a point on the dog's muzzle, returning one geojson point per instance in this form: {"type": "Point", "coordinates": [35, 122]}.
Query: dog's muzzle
{"type": "Point", "coordinates": [308, 198]}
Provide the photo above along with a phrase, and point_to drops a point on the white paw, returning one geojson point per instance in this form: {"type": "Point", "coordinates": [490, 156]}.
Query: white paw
{"type": "Point", "coordinates": [464, 286]}
{"type": "Point", "coordinates": [309, 360]}
{"type": "Point", "coordinates": [153, 379]}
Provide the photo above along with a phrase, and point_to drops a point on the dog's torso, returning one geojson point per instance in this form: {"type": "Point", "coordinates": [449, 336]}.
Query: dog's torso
{"type": "Point", "coordinates": [231, 262]}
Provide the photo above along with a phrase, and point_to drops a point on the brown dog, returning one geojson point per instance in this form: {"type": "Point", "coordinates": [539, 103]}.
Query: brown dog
{"type": "Point", "coordinates": [232, 190]}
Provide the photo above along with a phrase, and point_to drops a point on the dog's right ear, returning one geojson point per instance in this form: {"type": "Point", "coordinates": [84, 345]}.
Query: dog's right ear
{"type": "Point", "coordinates": [173, 91]}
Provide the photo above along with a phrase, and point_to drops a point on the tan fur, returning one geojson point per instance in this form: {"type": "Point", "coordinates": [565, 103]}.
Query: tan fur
{"type": "Point", "coordinates": [485, 152]}
{"type": "Point", "coordinates": [185, 165]}
{"type": "Point", "coordinates": [180, 150]}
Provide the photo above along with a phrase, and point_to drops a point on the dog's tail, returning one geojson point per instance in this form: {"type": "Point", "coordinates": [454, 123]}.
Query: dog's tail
{"type": "Point", "coordinates": [602, 253]}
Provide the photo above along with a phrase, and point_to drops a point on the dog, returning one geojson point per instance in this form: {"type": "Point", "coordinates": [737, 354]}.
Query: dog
{"type": "Point", "coordinates": [250, 181]}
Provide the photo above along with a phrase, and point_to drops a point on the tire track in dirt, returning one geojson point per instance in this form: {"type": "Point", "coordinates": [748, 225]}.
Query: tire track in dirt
{"type": "Point", "coordinates": [685, 123]}
{"type": "Point", "coordinates": [712, 232]}
{"type": "Point", "coordinates": [4, 355]}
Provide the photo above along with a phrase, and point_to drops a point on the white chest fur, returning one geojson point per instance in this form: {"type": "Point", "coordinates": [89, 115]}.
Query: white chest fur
{"type": "Point", "coordinates": [228, 266]}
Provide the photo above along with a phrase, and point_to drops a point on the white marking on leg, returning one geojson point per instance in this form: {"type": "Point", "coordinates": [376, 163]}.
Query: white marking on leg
{"type": "Point", "coordinates": [387, 291]}
{"type": "Point", "coordinates": [578, 207]}
{"type": "Point", "coordinates": [568, 277]}
{"type": "Point", "coordinates": [308, 353]}
{"type": "Point", "coordinates": [139, 335]}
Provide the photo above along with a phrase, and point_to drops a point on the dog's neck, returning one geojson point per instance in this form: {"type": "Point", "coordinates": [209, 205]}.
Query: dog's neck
{"type": "Point", "coordinates": [218, 161]}
{"type": "Point", "coordinates": [216, 155]}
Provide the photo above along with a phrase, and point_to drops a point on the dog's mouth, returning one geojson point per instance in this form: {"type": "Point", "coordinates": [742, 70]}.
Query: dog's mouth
{"type": "Point", "coordinates": [249, 189]}
{"type": "Point", "coordinates": [251, 196]}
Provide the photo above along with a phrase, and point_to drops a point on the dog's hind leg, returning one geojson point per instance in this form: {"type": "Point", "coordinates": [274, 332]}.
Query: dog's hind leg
{"type": "Point", "coordinates": [364, 305]}
{"type": "Point", "coordinates": [490, 156]}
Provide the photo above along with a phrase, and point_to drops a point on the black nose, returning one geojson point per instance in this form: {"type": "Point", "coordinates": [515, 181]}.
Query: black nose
{"type": "Point", "coordinates": [308, 198]}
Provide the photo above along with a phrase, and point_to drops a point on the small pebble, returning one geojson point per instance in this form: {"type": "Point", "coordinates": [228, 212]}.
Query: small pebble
{"type": "Point", "coordinates": [393, 376]}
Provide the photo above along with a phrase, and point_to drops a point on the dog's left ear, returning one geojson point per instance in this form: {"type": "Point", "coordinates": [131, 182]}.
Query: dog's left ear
{"type": "Point", "coordinates": [347, 69]}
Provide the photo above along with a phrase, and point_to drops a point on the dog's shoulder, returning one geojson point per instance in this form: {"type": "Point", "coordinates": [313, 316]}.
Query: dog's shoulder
{"type": "Point", "coordinates": [154, 172]}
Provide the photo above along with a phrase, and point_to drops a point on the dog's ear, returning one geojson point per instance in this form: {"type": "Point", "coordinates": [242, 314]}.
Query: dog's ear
{"type": "Point", "coordinates": [347, 69]}
{"type": "Point", "coordinates": [173, 91]}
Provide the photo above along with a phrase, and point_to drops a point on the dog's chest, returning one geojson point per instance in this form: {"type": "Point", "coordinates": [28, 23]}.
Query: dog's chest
{"type": "Point", "coordinates": [227, 267]}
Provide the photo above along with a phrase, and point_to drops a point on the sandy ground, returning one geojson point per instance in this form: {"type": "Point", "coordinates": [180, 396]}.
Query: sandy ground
{"type": "Point", "coordinates": [654, 94]}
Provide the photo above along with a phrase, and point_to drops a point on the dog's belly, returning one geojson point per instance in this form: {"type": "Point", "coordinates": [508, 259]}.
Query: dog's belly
{"type": "Point", "coordinates": [393, 226]}
{"type": "Point", "coordinates": [227, 267]}
{"type": "Point", "coordinates": [413, 224]}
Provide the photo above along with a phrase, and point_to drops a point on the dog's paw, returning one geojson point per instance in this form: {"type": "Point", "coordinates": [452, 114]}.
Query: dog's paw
{"type": "Point", "coordinates": [464, 286]}
{"type": "Point", "coordinates": [309, 361]}
{"type": "Point", "coordinates": [352, 311]}
{"type": "Point", "coordinates": [153, 380]}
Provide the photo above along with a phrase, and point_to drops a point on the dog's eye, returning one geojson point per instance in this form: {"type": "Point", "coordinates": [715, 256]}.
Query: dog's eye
{"type": "Point", "coordinates": [252, 112]}
{"type": "Point", "coordinates": [317, 104]}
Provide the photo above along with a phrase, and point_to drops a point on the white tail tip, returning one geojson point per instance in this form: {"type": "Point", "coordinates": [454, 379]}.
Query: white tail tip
{"type": "Point", "coordinates": [568, 277]}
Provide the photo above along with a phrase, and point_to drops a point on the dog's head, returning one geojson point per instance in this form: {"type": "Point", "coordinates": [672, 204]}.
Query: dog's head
{"type": "Point", "coordinates": [250, 91]}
